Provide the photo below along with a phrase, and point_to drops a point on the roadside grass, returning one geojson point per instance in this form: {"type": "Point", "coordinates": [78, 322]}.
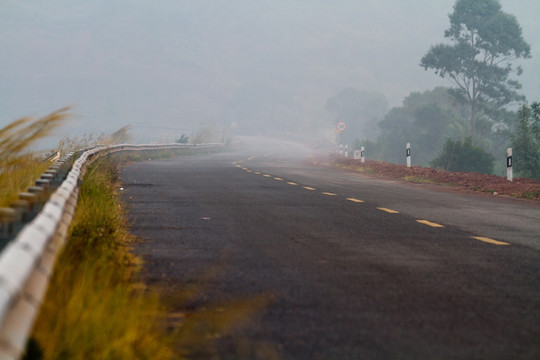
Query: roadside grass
{"type": "Point", "coordinates": [20, 168]}
{"type": "Point", "coordinates": [93, 309]}
{"type": "Point", "coordinates": [419, 180]}
{"type": "Point", "coordinates": [19, 178]}
{"type": "Point", "coordinates": [96, 308]}
{"type": "Point", "coordinates": [361, 168]}
{"type": "Point", "coordinates": [531, 195]}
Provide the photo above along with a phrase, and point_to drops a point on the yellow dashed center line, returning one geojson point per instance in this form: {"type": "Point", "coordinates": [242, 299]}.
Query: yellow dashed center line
{"type": "Point", "coordinates": [429, 223]}
{"type": "Point", "coordinates": [390, 211]}
{"type": "Point", "coordinates": [488, 240]}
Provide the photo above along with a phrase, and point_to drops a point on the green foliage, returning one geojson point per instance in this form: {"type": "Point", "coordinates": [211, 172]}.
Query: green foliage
{"type": "Point", "coordinates": [464, 156]}
{"type": "Point", "coordinates": [425, 120]}
{"type": "Point", "coordinates": [485, 41]}
{"type": "Point", "coordinates": [526, 142]}
{"type": "Point", "coordinates": [182, 139]}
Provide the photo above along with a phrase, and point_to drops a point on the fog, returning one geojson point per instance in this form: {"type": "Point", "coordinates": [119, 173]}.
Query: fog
{"type": "Point", "coordinates": [169, 67]}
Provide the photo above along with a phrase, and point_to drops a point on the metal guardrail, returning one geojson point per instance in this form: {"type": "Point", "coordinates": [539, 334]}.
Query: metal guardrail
{"type": "Point", "coordinates": [27, 262]}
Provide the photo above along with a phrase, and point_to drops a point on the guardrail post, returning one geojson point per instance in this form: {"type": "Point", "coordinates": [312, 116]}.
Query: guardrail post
{"type": "Point", "coordinates": [408, 154]}
{"type": "Point", "coordinates": [509, 174]}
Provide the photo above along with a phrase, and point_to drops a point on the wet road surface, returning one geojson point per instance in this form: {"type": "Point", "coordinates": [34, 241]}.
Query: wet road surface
{"type": "Point", "coordinates": [355, 267]}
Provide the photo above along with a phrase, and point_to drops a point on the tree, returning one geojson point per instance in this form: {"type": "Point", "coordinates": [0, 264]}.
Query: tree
{"type": "Point", "coordinates": [425, 120]}
{"type": "Point", "coordinates": [464, 156]}
{"type": "Point", "coordinates": [485, 41]}
{"type": "Point", "coordinates": [526, 142]}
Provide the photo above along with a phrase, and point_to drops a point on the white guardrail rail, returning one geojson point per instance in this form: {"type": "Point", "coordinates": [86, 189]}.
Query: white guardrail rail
{"type": "Point", "coordinates": [27, 262]}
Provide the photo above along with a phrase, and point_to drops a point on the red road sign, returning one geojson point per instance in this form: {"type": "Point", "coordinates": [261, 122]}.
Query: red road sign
{"type": "Point", "coordinates": [340, 126]}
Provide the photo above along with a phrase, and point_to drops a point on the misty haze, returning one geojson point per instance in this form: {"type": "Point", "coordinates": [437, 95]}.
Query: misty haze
{"type": "Point", "coordinates": [264, 66]}
{"type": "Point", "coordinates": [269, 179]}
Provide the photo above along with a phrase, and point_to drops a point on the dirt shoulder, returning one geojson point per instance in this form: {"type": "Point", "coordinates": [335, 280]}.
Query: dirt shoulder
{"type": "Point", "coordinates": [481, 183]}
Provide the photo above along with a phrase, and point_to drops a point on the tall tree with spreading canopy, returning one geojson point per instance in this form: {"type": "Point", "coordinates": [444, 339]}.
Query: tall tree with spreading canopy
{"type": "Point", "coordinates": [484, 42]}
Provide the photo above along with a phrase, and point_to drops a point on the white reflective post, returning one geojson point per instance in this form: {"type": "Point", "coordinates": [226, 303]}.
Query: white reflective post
{"type": "Point", "coordinates": [362, 154]}
{"type": "Point", "coordinates": [408, 154]}
{"type": "Point", "coordinates": [509, 164]}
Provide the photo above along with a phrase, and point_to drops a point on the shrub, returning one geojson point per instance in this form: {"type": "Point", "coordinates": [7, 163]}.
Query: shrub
{"type": "Point", "coordinates": [464, 156]}
{"type": "Point", "coordinates": [526, 142]}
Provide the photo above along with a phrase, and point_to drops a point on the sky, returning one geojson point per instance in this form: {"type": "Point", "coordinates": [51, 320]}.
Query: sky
{"type": "Point", "coordinates": [167, 67]}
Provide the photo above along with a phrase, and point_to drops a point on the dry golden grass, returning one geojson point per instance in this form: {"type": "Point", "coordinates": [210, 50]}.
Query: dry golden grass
{"type": "Point", "coordinates": [73, 143]}
{"type": "Point", "coordinates": [18, 167]}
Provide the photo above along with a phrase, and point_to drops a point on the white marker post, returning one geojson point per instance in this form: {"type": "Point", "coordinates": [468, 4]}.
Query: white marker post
{"type": "Point", "coordinates": [346, 150]}
{"type": "Point", "coordinates": [408, 154]}
{"type": "Point", "coordinates": [509, 164]}
{"type": "Point", "coordinates": [362, 155]}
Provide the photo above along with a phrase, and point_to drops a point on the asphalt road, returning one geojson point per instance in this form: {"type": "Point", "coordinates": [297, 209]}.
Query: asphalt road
{"type": "Point", "coordinates": [355, 267]}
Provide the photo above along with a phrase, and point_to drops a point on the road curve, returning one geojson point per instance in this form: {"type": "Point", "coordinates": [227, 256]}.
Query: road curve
{"type": "Point", "coordinates": [357, 267]}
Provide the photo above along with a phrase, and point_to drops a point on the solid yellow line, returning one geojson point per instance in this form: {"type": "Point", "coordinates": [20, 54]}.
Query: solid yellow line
{"type": "Point", "coordinates": [488, 240]}
{"type": "Point", "coordinates": [278, 179]}
{"type": "Point", "coordinates": [309, 188]}
{"type": "Point", "coordinates": [355, 200]}
{"type": "Point", "coordinates": [329, 194]}
{"type": "Point", "coordinates": [266, 175]}
{"type": "Point", "coordinates": [390, 211]}
{"type": "Point", "coordinates": [292, 183]}
{"type": "Point", "coordinates": [429, 223]}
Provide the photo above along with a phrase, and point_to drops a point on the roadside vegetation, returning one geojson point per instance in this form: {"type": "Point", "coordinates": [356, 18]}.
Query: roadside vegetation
{"type": "Point", "coordinates": [477, 115]}
{"type": "Point", "coordinates": [94, 308]}
{"type": "Point", "coordinates": [19, 167]}
{"type": "Point", "coordinates": [524, 188]}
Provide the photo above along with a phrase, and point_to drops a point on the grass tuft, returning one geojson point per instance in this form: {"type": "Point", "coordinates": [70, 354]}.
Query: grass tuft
{"type": "Point", "coordinates": [420, 180]}
{"type": "Point", "coordinates": [19, 168]}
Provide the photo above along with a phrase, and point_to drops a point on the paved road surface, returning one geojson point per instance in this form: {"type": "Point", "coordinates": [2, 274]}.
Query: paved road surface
{"type": "Point", "coordinates": [357, 267]}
